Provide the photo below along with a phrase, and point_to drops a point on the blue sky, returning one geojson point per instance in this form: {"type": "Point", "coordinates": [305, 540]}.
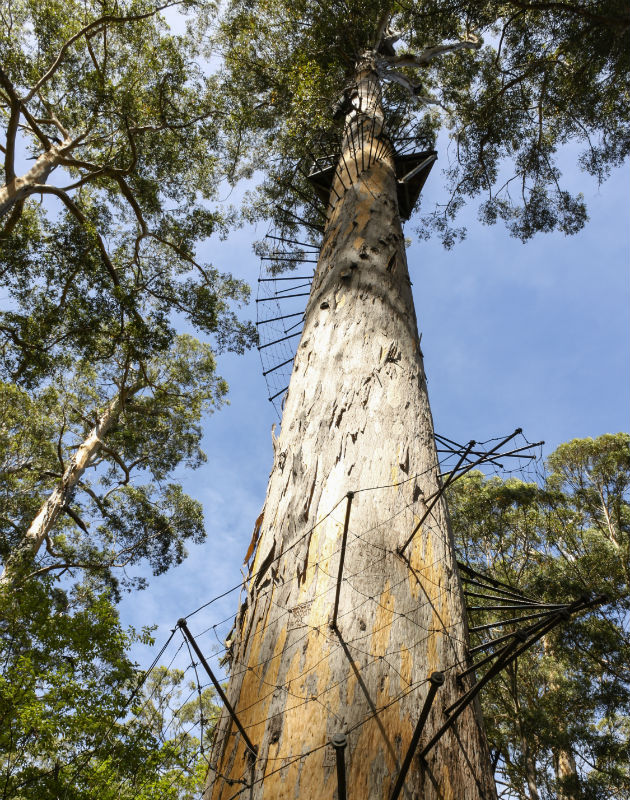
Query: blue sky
{"type": "Point", "coordinates": [529, 335]}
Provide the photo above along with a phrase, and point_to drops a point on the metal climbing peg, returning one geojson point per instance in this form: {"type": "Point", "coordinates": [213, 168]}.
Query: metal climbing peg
{"type": "Point", "coordinates": [339, 741]}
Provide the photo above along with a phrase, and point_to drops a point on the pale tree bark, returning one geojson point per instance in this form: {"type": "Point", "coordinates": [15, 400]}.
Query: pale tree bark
{"type": "Point", "coordinates": [42, 525]}
{"type": "Point", "coordinates": [566, 774]}
{"type": "Point", "coordinates": [19, 188]}
{"type": "Point", "coordinates": [356, 416]}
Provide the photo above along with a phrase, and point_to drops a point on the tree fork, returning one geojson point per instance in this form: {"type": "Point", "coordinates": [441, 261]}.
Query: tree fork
{"type": "Point", "coordinates": [356, 416]}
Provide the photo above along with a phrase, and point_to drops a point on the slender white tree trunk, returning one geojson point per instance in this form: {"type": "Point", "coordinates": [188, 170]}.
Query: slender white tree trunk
{"type": "Point", "coordinates": [20, 188]}
{"type": "Point", "coordinates": [530, 769]}
{"type": "Point", "coordinates": [48, 514]}
{"type": "Point", "coordinates": [356, 416]}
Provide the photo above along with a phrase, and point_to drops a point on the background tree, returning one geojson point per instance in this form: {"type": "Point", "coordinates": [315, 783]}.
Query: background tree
{"type": "Point", "coordinates": [111, 152]}
{"type": "Point", "coordinates": [98, 284]}
{"type": "Point", "coordinates": [67, 650]}
{"type": "Point", "coordinates": [558, 719]}
{"type": "Point", "coordinates": [73, 456]}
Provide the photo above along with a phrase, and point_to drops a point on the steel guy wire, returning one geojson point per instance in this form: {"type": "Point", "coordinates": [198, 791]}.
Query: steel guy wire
{"type": "Point", "coordinates": [298, 641]}
{"type": "Point", "coordinates": [309, 531]}
{"type": "Point", "coordinates": [350, 642]}
{"type": "Point", "coordinates": [368, 718]}
{"type": "Point", "coordinates": [344, 614]}
{"type": "Point", "coordinates": [375, 659]}
{"type": "Point", "coordinates": [316, 565]}
{"type": "Point", "coordinates": [254, 575]}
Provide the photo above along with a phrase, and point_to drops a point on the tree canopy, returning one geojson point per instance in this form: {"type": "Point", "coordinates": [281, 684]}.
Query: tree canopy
{"type": "Point", "coordinates": [122, 124]}
{"type": "Point", "coordinates": [509, 83]}
{"type": "Point", "coordinates": [74, 722]}
{"type": "Point", "coordinates": [112, 158]}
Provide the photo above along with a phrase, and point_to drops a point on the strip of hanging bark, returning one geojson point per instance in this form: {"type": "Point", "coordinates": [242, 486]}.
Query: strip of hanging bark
{"type": "Point", "coordinates": [255, 535]}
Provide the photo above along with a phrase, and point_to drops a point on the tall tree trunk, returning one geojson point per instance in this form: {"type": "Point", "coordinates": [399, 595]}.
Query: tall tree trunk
{"type": "Point", "coordinates": [356, 416]}
{"type": "Point", "coordinates": [566, 774]}
{"type": "Point", "coordinates": [53, 506]}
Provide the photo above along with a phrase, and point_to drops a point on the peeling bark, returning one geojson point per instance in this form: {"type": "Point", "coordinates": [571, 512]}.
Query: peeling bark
{"type": "Point", "coordinates": [356, 416]}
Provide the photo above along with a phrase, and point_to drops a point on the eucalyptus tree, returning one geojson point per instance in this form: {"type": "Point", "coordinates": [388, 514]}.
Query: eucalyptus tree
{"type": "Point", "coordinates": [112, 157]}
{"type": "Point", "coordinates": [558, 719]}
{"type": "Point", "coordinates": [512, 82]}
{"type": "Point", "coordinates": [68, 649]}
{"type": "Point", "coordinates": [121, 122]}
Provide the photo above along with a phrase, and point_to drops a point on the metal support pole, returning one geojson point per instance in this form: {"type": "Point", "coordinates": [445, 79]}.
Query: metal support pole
{"type": "Point", "coordinates": [342, 555]}
{"type": "Point", "coordinates": [278, 366]}
{"type": "Point", "coordinates": [415, 170]}
{"type": "Point", "coordinates": [340, 742]}
{"type": "Point", "coordinates": [317, 228]}
{"type": "Point", "coordinates": [277, 394]}
{"type": "Point", "coordinates": [505, 599]}
{"type": "Point", "coordinates": [435, 681]}
{"type": "Point", "coordinates": [517, 606]}
{"type": "Point", "coordinates": [284, 297]}
{"type": "Point", "coordinates": [291, 241]}
{"type": "Point", "coordinates": [504, 622]}
{"type": "Point", "coordinates": [276, 319]}
{"type": "Point", "coordinates": [490, 643]}
{"type": "Point", "coordinates": [505, 588]}
{"type": "Point", "coordinates": [523, 640]}
{"type": "Point", "coordinates": [181, 623]}
{"type": "Point", "coordinates": [282, 339]}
